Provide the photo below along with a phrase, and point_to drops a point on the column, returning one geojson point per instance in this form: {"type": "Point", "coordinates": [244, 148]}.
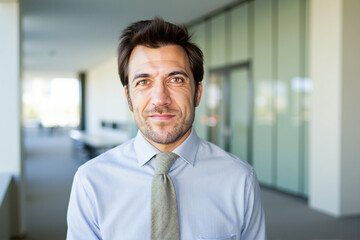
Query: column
{"type": "Point", "coordinates": [335, 113]}
{"type": "Point", "coordinates": [10, 108]}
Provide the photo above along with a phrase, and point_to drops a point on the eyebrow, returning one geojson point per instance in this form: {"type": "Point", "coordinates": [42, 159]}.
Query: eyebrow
{"type": "Point", "coordinates": [173, 73]}
{"type": "Point", "coordinates": [141, 75]}
{"type": "Point", "coordinates": [178, 73]}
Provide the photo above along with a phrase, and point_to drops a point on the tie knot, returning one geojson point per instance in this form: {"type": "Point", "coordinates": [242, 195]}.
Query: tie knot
{"type": "Point", "coordinates": [164, 161]}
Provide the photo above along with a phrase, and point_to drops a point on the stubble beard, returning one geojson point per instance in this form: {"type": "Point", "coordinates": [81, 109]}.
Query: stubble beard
{"type": "Point", "coordinates": [163, 136]}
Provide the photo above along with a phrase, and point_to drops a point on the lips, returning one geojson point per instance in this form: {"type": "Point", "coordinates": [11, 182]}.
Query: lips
{"type": "Point", "coordinates": [162, 117]}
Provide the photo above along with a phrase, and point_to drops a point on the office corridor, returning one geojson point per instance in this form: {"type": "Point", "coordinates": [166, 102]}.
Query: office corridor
{"type": "Point", "coordinates": [49, 170]}
{"type": "Point", "coordinates": [50, 166]}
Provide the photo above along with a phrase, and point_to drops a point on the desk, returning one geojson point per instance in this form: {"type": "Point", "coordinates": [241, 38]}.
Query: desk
{"type": "Point", "coordinates": [100, 141]}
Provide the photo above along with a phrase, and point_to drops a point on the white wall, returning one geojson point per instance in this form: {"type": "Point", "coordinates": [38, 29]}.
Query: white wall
{"type": "Point", "coordinates": [105, 98]}
{"type": "Point", "coordinates": [350, 138]}
{"type": "Point", "coordinates": [10, 89]}
{"type": "Point", "coordinates": [335, 115]}
{"type": "Point", "coordinates": [325, 107]}
{"type": "Point", "coordinates": [10, 92]}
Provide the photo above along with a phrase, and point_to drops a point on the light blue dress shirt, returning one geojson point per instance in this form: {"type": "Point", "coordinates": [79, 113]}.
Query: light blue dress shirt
{"type": "Point", "coordinates": [218, 194]}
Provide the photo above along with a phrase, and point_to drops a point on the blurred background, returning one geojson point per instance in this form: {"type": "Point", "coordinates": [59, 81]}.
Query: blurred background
{"type": "Point", "coordinates": [281, 91]}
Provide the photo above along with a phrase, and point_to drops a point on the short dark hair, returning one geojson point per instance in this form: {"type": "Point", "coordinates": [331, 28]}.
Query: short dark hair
{"type": "Point", "coordinates": [156, 33]}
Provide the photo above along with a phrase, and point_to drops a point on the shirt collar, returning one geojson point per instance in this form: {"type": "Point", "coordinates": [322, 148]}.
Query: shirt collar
{"type": "Point", "coordinates": [186, 150]}
{"type": "Point", "coordinates": [143, 149]}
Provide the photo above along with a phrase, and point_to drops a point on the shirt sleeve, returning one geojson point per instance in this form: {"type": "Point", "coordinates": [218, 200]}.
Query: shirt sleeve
{"type": "Point", "coordinates": [254, 227]}
{"type": "Point", "coordinates": [82, 218]}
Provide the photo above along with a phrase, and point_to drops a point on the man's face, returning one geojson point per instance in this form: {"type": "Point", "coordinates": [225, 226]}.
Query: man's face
{"type": "Point", "coordinates": [161, 93]}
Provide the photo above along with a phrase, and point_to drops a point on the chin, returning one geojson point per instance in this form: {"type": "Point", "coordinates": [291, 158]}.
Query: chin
{"type": "Point", "coordinates": [163, 136]}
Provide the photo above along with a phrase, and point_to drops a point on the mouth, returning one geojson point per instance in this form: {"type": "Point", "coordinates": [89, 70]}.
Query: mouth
{"type": "Point", "coordinates": [162, 117]}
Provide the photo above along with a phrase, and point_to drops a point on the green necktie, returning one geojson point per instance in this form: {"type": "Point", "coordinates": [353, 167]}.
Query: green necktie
{"type": "Point", "coordinates": [164, 212]}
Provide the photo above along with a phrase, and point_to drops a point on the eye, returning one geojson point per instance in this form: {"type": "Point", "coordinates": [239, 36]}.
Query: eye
{"type": "Point", "coordinates": [177, 80]}
{"type": "Point", "coordinates": [143, 82]}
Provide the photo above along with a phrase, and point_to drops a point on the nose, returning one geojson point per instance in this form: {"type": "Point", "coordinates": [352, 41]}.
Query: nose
{"type": "Point", "coordinates": [160, 95]}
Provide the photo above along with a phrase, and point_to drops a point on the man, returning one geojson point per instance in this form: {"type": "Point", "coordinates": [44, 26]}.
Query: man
{"type": "Point", "coordinates": [207, 193]}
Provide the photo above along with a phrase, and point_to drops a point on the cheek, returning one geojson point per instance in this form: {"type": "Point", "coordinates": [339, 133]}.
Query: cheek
{"type": "Point", "coordinates": [129, 103]}
{"type": "Point", "coordinates": [140, 100]}
{"type": "Point", "coordinates": [185, 101]}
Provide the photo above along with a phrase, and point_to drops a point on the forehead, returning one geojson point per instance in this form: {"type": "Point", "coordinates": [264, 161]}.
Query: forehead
{"type": "Point", "coordinates": [143, 58]}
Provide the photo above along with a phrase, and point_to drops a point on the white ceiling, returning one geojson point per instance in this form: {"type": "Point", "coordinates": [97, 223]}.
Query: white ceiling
{"type": "Point", "coordinates": [64, 37]}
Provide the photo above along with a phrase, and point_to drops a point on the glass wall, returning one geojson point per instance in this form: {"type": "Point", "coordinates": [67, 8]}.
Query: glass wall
{"type": "Point", "coordinates": [259, 112]}
{"type": "Point", "coordinates": [51, 103]}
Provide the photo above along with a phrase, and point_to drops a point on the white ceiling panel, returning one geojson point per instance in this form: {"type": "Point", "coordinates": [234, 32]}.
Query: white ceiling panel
{"type": "Point", "coordinates": [68, 36]}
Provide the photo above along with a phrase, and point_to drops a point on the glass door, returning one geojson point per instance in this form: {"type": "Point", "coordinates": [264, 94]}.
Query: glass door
{"type": "Point", "coordinates": [229, 110]}
{"type": "Point", "coordinates": [240, 113]}
{"type": "Point", "coordinates": [217, 103]}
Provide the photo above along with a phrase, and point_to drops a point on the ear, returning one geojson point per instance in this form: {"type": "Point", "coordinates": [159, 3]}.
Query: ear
{"type": "Point", "coordinates": [198, 94]}
{"type": "Point", "coordinates": [126, 88]}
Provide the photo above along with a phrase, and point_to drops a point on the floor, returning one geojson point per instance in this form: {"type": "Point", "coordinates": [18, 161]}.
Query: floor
{"type": "Point", "coordinates": [49, 170]}
{"type": "Point", "coordinates": [50, 165]}
{"type": "Point", "coordinates": [289, 218]}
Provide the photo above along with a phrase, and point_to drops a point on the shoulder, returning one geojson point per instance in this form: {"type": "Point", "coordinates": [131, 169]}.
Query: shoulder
{"type": "Point", "coordinates": [210, 154]}
{"type": "Point", "coordinates": [119, 155]}
{"type": "Point", "coordinates": [215, 153]}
